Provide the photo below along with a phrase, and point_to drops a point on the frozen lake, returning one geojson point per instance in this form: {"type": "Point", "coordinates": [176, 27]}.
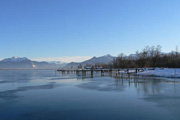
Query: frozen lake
{"type": "Point", "coordinates": [44, 95]}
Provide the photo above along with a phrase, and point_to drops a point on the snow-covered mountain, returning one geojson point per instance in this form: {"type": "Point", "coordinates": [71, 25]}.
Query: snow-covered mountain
{"type": "Point", "coordinates": [25, 63]}
{"type": "Point", "coordinates": [95, 60]}
{"type": "Point", "coordinates": [101, 60]}
{"type": "Point", "coordinates": [14, 59]}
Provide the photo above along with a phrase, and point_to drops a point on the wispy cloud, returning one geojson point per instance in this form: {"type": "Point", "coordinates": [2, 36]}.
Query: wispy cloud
{"type": "Point", "coordinates": [65, 59]}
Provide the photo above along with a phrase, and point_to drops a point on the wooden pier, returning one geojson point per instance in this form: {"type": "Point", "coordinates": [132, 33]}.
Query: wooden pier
{"type": "Point", "coordinates": [102, 71]}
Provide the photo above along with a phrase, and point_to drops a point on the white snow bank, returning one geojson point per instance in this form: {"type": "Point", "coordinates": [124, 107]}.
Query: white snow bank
{"type": "Point", "coordinates": [167, 72]}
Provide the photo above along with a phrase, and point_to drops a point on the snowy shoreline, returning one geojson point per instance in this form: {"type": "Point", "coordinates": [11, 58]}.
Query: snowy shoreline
{"type": "Point", "coordinates": [166, 72]}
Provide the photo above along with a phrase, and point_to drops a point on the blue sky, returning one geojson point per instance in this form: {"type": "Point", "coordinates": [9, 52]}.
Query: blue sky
{"type": "Point", "coordinates": [57, 28]}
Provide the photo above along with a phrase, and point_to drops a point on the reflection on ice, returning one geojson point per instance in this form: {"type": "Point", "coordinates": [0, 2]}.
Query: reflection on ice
{"type": "Point", "coordinates": [10, 94]}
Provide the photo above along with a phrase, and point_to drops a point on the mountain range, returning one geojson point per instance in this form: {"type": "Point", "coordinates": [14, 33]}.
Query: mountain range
{"type": "Point", "coordinates": [25, 63]}
{"type": "Point", "coordinates": [95, 60]}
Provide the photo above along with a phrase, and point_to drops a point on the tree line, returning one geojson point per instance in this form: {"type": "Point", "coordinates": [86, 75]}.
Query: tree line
{"type": "Point", "coordinates": [150, 56]}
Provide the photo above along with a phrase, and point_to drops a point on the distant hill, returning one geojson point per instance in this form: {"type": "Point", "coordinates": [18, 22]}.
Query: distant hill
{"type": "Point", "coordinates": [95, 60]}
{"type": "Point", "coordinates": [25, 63]}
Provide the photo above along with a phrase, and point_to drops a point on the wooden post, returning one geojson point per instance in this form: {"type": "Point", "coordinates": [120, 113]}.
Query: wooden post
{"type": "Point", "coordinates": [77, 72]}
{"type": "Point", "coordinates": [110, 71]}
{"type": "Point", "coordinates": [136, 70]}
{"type": "Point", "coordinates": [83, 72]}
{"type": "Point", "coordinates": [128, 73]}
{"type": "Point", "coordinates": [102, 72]}
{"type": "Point", "coordinates": [119, 72]}
{"type": "Point", "coordinates": [91, 72]}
